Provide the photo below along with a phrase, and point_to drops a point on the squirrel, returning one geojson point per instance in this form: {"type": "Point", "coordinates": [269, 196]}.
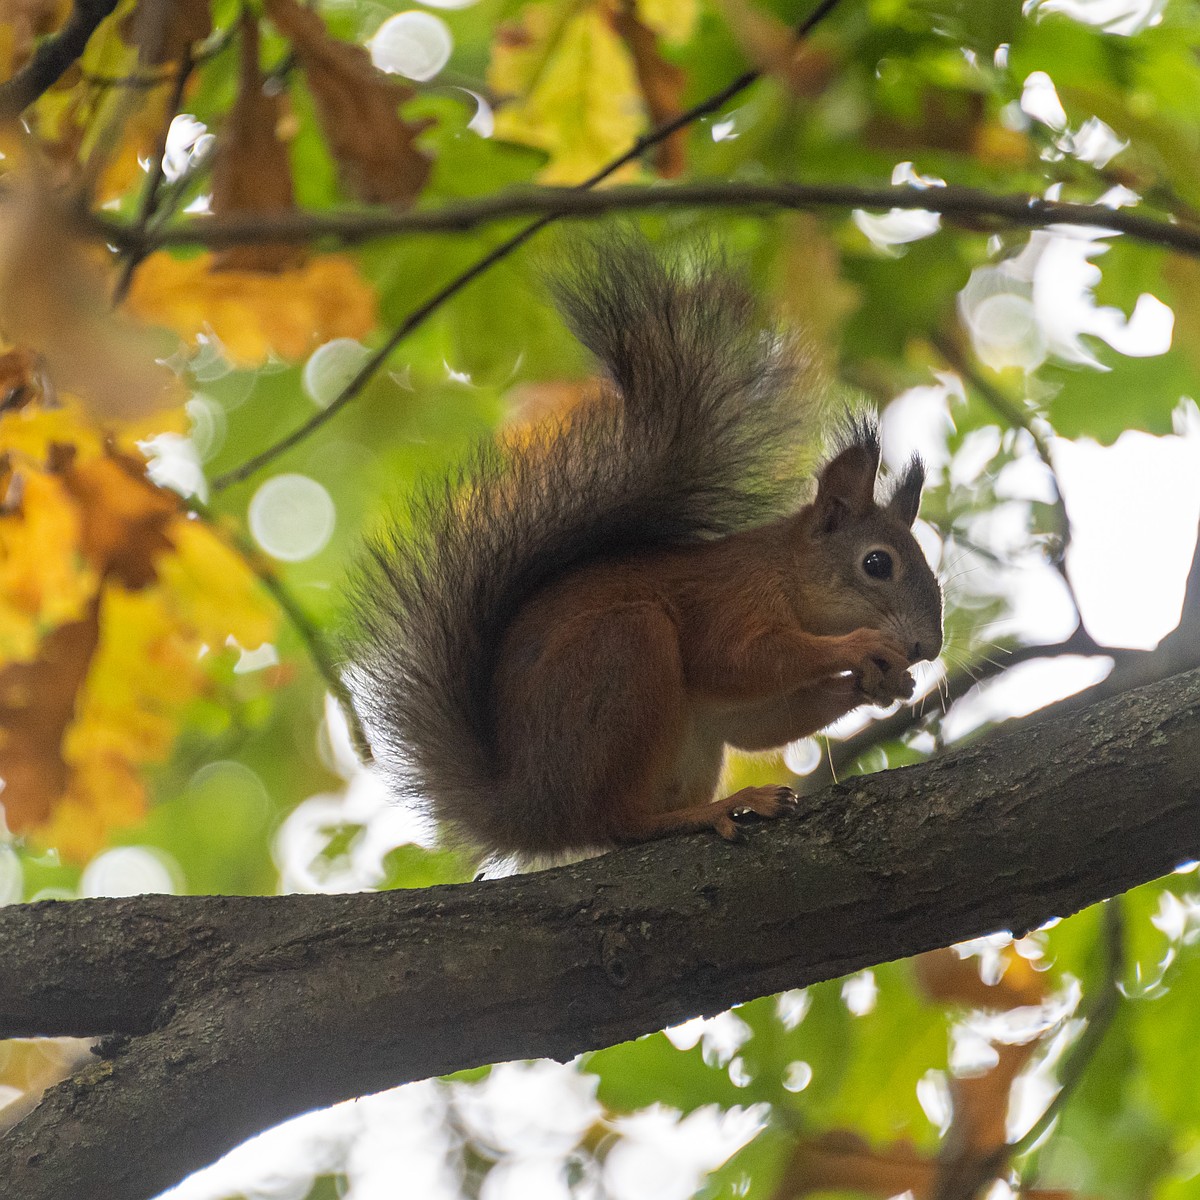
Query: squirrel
{"type": "Point", "coordinates": [584, 621]}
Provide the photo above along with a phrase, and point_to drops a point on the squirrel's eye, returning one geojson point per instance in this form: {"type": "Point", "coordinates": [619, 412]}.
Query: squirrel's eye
{"type": "Point", "coordinates": [878, 564]}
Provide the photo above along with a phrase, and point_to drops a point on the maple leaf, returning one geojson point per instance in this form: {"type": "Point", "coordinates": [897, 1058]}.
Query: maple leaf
{"type": "Point", "coordinates": [375, 150]}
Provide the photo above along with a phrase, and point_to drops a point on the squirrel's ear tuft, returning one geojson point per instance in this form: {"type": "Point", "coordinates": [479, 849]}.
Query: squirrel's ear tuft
{"type": "Point", "coordinates": [905, 500]}
{"type": "Point", "coordinates": [846, 485]}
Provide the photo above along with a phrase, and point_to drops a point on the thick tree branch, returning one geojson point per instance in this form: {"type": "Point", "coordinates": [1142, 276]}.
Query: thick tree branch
{"type": "Point", "coordinates": [970, 208]}
{"type": "Point", "coordinates": [261, 1008]}
{"type": "Point", "coordinates": [51, 60]}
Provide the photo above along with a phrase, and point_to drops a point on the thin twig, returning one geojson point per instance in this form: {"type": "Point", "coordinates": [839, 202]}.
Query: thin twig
{"type": "Point", "coordinates": [419, 315]}
{"type": "Point", "coordinates": [1099, 1017]}
{"type": "Point", "coordinates": [314, 641]}
{"type": "Point", "coordinates": [143, 81]}
{"type": "Point", "coordinates": [1017, 418]}
{"type": "Point", "coordinates": [844, 752]}
{"type": "Point", "coordinates": [149, 204]}
{"type": "Point", "coordinates": [53, 57]}
{"type": "Point", "coordinates": [969, 208]}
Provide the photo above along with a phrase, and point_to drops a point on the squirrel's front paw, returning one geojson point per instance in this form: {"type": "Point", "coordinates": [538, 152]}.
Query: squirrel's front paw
{"type": "Point", "coordinates": [882, 675]}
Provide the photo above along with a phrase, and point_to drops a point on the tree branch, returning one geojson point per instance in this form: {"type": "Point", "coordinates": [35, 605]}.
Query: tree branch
{"type": "Point", "coordinates": [969, 208]}
{"type": "Point", "coordinates": [53, 57]}
{"type": "Point", "coordinates": [250, 1010]}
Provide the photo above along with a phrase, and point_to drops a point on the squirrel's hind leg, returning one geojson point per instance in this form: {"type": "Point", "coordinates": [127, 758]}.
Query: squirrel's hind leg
{"type": "Point", "coordinates": [771, 801]}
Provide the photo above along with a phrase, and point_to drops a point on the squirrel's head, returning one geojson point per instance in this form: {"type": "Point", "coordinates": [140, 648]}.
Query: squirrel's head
{"type": "Point", "coordinates": [865, 550]}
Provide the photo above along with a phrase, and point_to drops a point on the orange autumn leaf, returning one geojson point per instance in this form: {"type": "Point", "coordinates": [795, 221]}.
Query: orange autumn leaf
{"type": "Point", "coordinates": [255, 316]}
{"type": "Point", "coordinates": [252, 172]}
{"type": "Point", "coordinates": [124, 517]}
{"type": "Point", "coordinates": [375, 150]}
{"type": "Point", "coordinates": [112, 594]}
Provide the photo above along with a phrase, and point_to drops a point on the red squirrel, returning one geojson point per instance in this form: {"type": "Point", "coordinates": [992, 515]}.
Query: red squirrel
{"type": "Point", "coordinates": [583, 622]}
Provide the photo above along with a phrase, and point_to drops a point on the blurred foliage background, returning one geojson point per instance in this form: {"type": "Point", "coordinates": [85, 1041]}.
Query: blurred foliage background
{"type": "Point", "coordinates": [173, 570]}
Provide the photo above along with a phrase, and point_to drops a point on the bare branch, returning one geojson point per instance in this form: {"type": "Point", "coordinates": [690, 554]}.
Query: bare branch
{"type": "Point", "coordinates": [967, 208]}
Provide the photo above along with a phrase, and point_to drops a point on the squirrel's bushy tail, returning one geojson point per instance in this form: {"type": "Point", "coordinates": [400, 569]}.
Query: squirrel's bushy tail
{"type": "Point", "coordinates": [705, 427]}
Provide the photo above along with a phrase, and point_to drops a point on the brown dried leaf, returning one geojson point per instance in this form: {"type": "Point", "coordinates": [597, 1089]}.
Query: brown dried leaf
{"type": "Point", "coordinates": [165, 30]}
{"type": "Point", "coordinates": [375, 150]}
{"type": "Point", "coordinates": [662, 84]}
{"type": "Point", "coordinates": [841, 1160]}
{"type": "Point", "coordinates": [54, 303]}
{"type": "Point", "coordinates": [37, 705]}
{"type": "Point", "coordinates": [252, 172]}
{"type": "Point", "coordinates": [124, 516]}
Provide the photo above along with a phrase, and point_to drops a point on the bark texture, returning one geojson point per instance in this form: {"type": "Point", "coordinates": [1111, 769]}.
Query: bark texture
{"type": "Point", "coordinates": [234, 1013]}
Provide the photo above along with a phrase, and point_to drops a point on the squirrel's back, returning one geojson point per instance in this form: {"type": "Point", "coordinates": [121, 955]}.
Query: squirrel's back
{"type": "Point", "coordinates": [704, 427]}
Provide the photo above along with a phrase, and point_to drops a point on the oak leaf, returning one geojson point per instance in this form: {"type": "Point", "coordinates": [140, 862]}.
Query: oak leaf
{"type": "Point", "coordinates": [112, 594]}
{"type": "Point", "coordinates": [662, 84]}
{"type": "Point", "coordinates": [254, 316]}
{"type": "Point", "coordinates": [252, 171]}
{"type": "Point", "coordinates": [374, 148]}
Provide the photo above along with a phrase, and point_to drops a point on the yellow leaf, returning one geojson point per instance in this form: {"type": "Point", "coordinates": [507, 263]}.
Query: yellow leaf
{"type": "Point", "coordinates": [253, 315]}
{"type": "Point", "coordinates": [574, 86]}
{"type": "Point", "coordinates": [112, 599]}
{"type": "Point", "coordinates": [44, 580]}
{"type": "Point", "coordinates": [672, 20]}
